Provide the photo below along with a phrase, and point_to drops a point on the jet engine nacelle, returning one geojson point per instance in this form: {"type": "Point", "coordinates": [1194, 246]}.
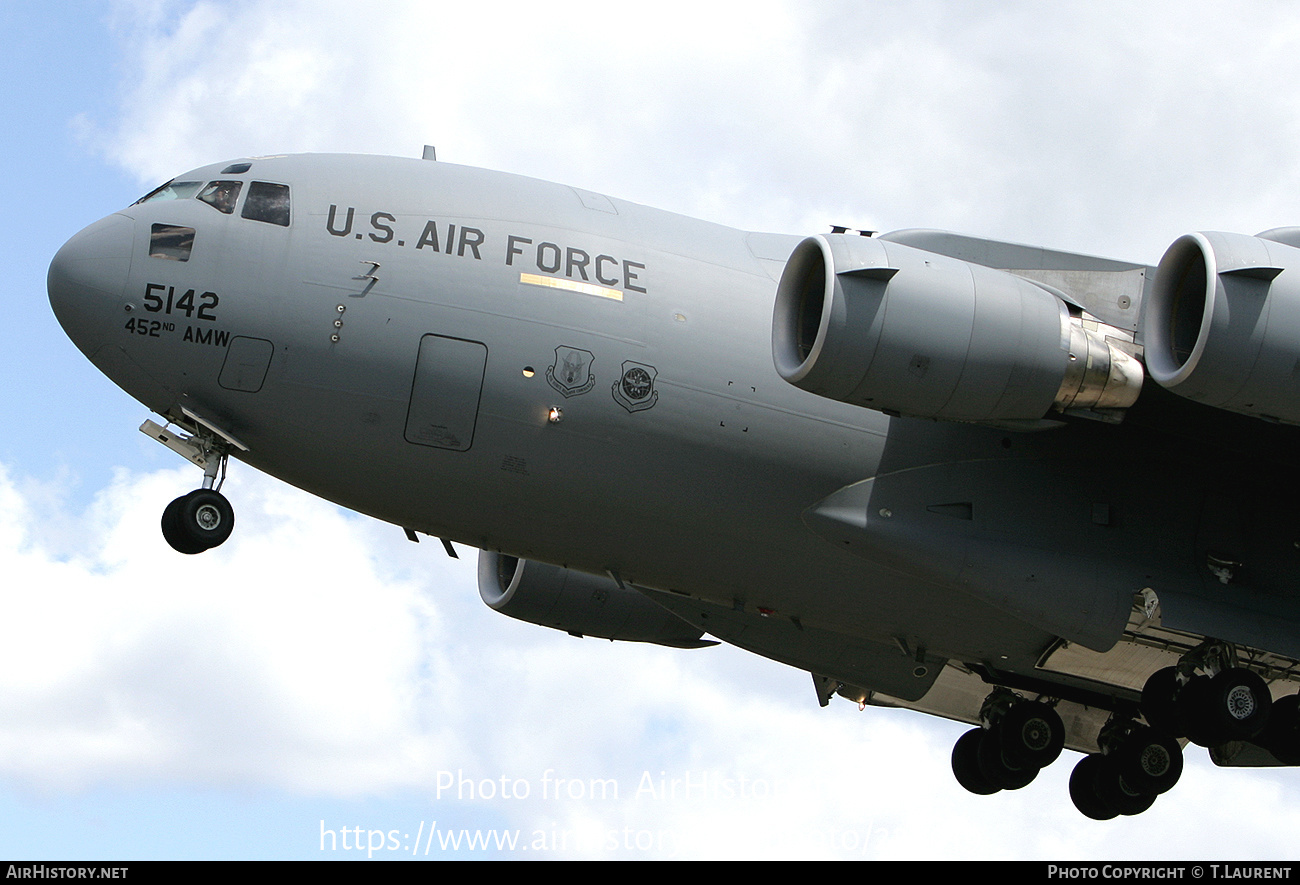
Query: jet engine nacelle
{"type": "Point", "coordinates": [1221, 325]}
{"type": "Point", "coordinates": [578, 603]}
{"type": "Point", "coordinates": [890, 327]}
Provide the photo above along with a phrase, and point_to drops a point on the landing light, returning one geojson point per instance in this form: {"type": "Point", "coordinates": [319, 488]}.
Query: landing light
{"type": "Point", "coordinates": [554, 415]}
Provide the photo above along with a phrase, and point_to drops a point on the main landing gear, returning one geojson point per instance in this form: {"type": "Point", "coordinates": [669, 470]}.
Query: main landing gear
{"type": "Point", "coordinates": [1020, 739]}
{"type": "Point", "coordinates": [1206, 699]}
{"type": "Point", "coordinates": [1136, 764]}
{"type": "Point", "coordinates": [203, 519]}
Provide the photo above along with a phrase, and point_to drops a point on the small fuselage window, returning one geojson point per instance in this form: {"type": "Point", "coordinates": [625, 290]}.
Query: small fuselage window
{"type": "Point", "coordinates": [267, 202]}
{"type": "Point", "coordinates": [171, 241]}
{"type": "Point", "coordinates": [221, 195]}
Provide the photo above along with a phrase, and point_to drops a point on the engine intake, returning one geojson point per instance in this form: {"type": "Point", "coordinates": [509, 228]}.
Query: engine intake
{"type": "Point", "coordinates": [890, 327]}
{"type": "Point", "coordinates": [578, 603]}
{"type": "Point", "coordinates": [1222, 324]}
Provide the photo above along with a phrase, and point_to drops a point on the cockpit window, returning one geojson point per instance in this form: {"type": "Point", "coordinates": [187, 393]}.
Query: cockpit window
{"type": "Point", "coordinates": [172, 190]}
{"type": "Point", "coordinates": [267, 202]}
{"type": "Point", "coordinates": [171, 241]}
{"type": "Point", "coordinates": [221, 195]}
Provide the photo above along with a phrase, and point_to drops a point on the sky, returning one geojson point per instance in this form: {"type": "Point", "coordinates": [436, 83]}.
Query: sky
{"type": "Point", "coordinates": [319, 687]}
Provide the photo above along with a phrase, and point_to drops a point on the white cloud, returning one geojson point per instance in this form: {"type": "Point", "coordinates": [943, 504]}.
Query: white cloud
{"type": "Point", "coordinates": [1112, 129]}
{"type": "Point", "coordinates": [125, 658]}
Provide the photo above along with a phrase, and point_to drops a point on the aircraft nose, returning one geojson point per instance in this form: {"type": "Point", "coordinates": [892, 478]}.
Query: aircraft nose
{"type": "Point", "coordinates": [87, 278]}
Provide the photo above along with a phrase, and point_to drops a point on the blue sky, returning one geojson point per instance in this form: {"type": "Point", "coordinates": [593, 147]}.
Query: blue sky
{"type": "Point", "coordinates": [62, 68]}
{"type": "Point", "coordinates": [319, 668]}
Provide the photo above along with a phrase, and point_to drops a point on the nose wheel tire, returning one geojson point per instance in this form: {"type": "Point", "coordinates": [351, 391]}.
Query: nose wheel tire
{"type": "Point", "coordinates": [199, 521]}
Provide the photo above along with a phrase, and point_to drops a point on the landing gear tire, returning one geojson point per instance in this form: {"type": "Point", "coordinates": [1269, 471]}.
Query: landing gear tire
{"type": "Point", "coordinates": [1232, 706]}
{"type": "Point", "coordinates": [1150, 761]}
{"type": "Point", "coordinates": [1116, 791]}
{"type": "Point", "coordinates": [1194, 723]}
{"type": "Point", "coordinates": [1281, 736]}
{"type": "Point", "coordinates": [1083, 789]}
{"type": "Point", "coordinates": [172, 532]}
{"type": "Point", "coordinates": [995, 767]}
{"type": "Point", "coordinates": [199, 521]}
{"type": "Point", "coordinates": [966, 766]}
{"type": "Point", "coordinates": [1239, 703]}
{"type": "Point", "coordinates": [1160, 701]}
{"type": "Point", "coordinates": [1100, 790]}
{"type": "Point", "coordinates": [1031, 735]}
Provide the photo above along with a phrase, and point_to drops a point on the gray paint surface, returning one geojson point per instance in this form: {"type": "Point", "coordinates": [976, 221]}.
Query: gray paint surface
{"type": "Point", "coordinates": [400, 346]}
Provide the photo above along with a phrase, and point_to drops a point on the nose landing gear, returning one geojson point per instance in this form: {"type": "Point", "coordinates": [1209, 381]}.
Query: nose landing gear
{"type": "Point", "coordinates": [199, 521]}
{"type": "Point", "coordinates": [202, 519]}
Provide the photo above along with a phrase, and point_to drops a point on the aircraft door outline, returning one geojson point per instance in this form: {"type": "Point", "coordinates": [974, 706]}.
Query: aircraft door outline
{"type": "Point", "coordinates": [445, 392]}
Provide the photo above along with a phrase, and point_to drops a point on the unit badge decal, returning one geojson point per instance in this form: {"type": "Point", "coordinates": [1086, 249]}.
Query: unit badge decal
{"type": "Point", "coordinates": [570, 374]}
{"type": "Point", "coordinates": [635, 390]}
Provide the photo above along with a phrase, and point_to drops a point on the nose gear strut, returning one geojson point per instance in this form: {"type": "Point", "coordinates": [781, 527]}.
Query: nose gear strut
{"type": "Point", "coordinates": [203, 519]}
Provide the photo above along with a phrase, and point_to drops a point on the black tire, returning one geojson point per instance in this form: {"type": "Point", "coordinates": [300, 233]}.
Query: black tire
{"type": "Point", "coordinates": [199, 521]}
{"type": "Point", "coordinates": [1083, 789]}
{"type": "Point", "coordinates": [995, 768]}
{"type": "Point", "coordinates": [1194, 722]}
{"type": "Point", "coordinates": [1160, 701]}
{"type": "Point", "coordinates": [1116, 791]}
{"type": "Point", "coordinates": [1150, 761]}
{"type": "Point", "coordinates": [1281, 736]}
{"type": "Point", "coordinates": [965, 764]}
{"type": "Point", "coordinates": [1236, 704]}
{"type": "Point", "coordinates": [175, 534]}
{"type": "Point", "coordinates": [1032, 735]}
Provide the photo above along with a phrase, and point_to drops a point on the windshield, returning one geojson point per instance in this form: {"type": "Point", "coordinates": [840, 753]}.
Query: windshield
{"type": "Point", "coordinates": [221, 195]}
{"type": "Point", "coordinates": [172, 190]}
{"type": "Point", "coordinates": [267, 202]}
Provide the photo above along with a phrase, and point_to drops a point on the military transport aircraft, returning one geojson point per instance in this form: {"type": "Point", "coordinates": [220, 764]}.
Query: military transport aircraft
{"type": "Point", "coordinates": [1050, 495]}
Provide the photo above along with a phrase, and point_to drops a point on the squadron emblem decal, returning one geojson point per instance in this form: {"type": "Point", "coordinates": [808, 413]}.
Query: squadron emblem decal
{"type": "Point", "coordinates": [570, 374]}
{"type": "Point", "coordinates": [635, 390]}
